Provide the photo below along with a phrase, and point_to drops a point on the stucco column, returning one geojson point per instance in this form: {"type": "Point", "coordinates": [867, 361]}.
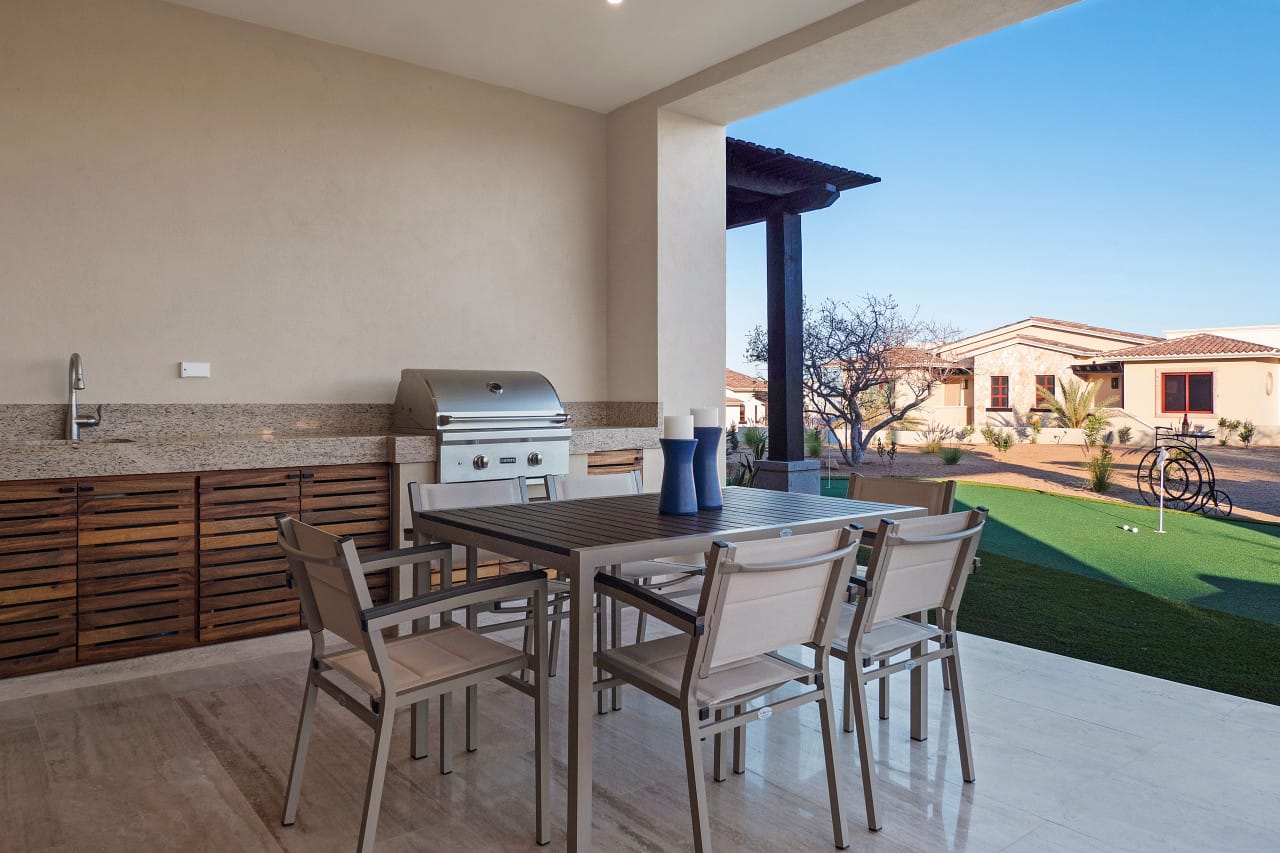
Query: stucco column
{"type": "Point", "coordinates": [666, 285]}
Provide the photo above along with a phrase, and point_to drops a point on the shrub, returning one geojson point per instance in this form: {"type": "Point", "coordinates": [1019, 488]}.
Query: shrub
{"type": "Point", "coordinates": [965, 433]}
{"type": "Point", "coordinates": [1227, 427]}
{"type": "Point", "coordinates": [1125, 434]}
{"type": "Point", "coordinates": [756, 440]}
{"type": "Point", "coordinates": [1246, 433]}
{"type": "Point", "coordinates": [813, 442]}
{"type": "Point", "coordinates": [950, 455]}
{"type": "Point", "coordinates": [731, 440]}
{"type": "Point", "coordinates": [1094, 424]}
{"type": "Point", "coordinates": [1100, 469]}
{"type": "Point", "coordinates": [1036, 424]}
{"type": "Point", "coordinates": [1000, 439]}
{"type": "Point", "coordinates": [934, 435]}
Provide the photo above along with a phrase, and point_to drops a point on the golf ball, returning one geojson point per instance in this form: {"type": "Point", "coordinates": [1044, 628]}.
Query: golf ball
{"type": "Point", "coordinates": [1133, 530]}
{"type": "Point", "coordinates": [1126, 528]}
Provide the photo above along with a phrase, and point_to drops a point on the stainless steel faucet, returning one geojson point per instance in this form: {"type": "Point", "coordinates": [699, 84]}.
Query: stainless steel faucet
{"type": "Point", "coordinates": [75, 382]}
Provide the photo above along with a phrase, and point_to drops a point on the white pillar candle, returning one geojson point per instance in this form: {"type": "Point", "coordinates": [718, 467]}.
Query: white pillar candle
{"type": "Point", "coordinates": [677, 426]}
{"type": "Point", "coordinates": [706, 417]}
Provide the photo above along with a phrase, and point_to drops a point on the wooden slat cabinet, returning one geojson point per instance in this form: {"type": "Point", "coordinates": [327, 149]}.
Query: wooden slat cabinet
{"type": "Point", "coordinates": [243, 589]}
{"type": "Point", "coordinates": [37, 576]}
{"type": "Point", "coordinates": [136, 566]}
{"type": "Point", "coordinates": [614, 461]}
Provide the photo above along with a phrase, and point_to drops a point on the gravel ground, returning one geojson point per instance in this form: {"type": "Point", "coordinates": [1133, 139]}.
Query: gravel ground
{"type": "Point", "coordinates": [1250, 477]}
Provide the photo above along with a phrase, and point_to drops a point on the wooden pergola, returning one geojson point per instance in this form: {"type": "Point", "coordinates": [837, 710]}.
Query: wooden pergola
{"type": "Point", "coordinates": [771, 186]}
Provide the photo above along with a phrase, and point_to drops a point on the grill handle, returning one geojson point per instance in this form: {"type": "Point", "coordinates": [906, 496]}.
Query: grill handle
{"type": "Point", "coordinates": [445, 420]}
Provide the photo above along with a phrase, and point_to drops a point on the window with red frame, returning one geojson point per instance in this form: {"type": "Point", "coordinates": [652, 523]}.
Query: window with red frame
{"type": "Point", "coordinates": [1186, 392]}
{"type": "Point", "coordinates": [999, 392]}
{"type": "Point", "coordinates": [1046, 389]}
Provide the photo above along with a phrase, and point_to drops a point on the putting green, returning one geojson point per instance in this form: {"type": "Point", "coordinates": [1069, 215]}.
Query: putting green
{"type": "Point", "coordinates": [1232, 566]}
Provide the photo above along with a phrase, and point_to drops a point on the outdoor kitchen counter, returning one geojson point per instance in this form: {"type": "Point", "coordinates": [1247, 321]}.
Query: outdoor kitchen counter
{"type": "Point", "coordinates": [21, 460]}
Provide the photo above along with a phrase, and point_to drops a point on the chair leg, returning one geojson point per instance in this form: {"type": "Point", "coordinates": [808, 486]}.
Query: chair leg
{"type": "Point", "coordinates": [446, 733]}
{"type": "Point", "coordinates": [839, 826]}
{"type": "Point", "coordinates": [740, 744]}
{"type": "Point", "coordinates": [377, 773]}
{"type": "Point", "coordinates": [305, 719]}
{"type": "Point", "coordinates": [615, 640]}
{"type": "Point", "coordinates": [640, 626]}
{"type": "Point", "coordinates": [850, 680]}
{"type": "Point", "coordinates": [542, 730]}
{"type": "Point", "coordinates": [697, 784]}
{"type": "Point", "coordinates": [961, 714]}
{"type": "Point", "coordinates": [862, 715]}
{"type": "Point", "coordinates": [473, 718]}
{"type": "Point", "coordinates": [946, 676]}
{"type": "Point", "coordinates": [557, 627]}
{"type": "Point", "coordinates": [601, 638]}
{"type": "Point", "coordinates": [719, 757]}
{"type": "Point", "coordinates": [419, 735]}
{"type": "Point", "coordinates": [883, 690]}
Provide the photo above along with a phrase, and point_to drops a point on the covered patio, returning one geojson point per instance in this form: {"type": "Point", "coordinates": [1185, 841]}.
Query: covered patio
{"type": "Point", "coordinates": [191, 751]}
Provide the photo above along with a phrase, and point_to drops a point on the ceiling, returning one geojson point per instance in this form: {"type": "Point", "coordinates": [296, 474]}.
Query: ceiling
{"type": "Point", "coordinates": [582, 52]}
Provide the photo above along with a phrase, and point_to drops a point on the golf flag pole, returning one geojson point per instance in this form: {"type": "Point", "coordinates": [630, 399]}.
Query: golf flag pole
{"type": "Point", "coordinates": [1161, 457]}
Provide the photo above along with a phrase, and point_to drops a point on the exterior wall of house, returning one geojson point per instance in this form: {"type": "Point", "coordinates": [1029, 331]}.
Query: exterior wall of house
{"type": "Point", "coordinates": [1021, 363]}
{"type": "Point", "coordinates": [746, 406]}
{"type": "Point", "coordinates": [308, 218]}
{"type": "Point", "coordinates": [950, 405]}
{"type": "Point", "coordinates": [1243, 389]}
{"type": "Point", "coordinates": [1068, 337]}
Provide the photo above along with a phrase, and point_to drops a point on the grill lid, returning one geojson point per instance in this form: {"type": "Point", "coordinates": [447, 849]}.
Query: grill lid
{"type": "Point", "coordinates": [434, 400]}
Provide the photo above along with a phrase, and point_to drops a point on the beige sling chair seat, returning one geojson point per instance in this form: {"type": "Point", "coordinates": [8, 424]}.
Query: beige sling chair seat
{"type": "Point", "coordinates": [917, 565]}
{"type": "Point", "coordinates": [376, 677]}
{"type": "Point", "coordinates": [758, 598]}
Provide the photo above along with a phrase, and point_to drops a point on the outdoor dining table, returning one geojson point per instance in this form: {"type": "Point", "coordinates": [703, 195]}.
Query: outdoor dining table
{"type": "Point", "coordinates": [578, 538]}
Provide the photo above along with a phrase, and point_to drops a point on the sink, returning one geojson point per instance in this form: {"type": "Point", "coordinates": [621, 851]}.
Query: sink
{"type": "Point", "coordinates": [63, 442]}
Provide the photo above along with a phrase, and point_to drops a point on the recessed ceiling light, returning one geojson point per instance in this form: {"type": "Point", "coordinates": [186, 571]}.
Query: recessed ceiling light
{"type": "Point", "coordinates": [615, 2]}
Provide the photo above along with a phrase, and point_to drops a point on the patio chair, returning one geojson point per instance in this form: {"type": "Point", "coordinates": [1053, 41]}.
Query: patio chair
{"type": "Point", "coordinates": [671, 578]}
{"type": "Point", "coordinates": [758, 598]}
{"type": "Point", "coordinates": [438, 496]}
{"type": "Point", "coordinates": [916, 565]}
{"type": "Point", "coordinates": [936, 496]}
{"type": "Point", "coordinates": [376, 677]}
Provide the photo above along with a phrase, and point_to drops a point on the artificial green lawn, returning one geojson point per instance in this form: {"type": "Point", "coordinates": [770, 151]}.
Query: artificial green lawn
{"type": "Point", "coordinates": [1094, 620]}
{"type": "Point", "coordinates": [1059, 574]}
{"type": "Point", "coordinates": [1231, 566]}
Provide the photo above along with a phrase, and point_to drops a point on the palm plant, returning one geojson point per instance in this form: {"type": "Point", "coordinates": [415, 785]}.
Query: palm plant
{"type": "Point", "coordinates": [1078, 407]}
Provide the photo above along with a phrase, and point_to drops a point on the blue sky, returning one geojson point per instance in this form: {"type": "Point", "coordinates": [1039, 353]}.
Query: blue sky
{"type": "Point", "coordinates": [1116, 162]}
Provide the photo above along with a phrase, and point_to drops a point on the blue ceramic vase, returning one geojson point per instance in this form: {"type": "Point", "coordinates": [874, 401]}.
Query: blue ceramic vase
{"type": "Point", "coordinates": [706, 467]}
{"type": "Point", "coordinates": [677, 495]}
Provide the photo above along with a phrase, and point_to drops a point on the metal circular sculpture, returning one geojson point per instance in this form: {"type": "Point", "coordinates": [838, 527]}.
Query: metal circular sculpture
{"type": "Point", "coordinates": [1186, 476]}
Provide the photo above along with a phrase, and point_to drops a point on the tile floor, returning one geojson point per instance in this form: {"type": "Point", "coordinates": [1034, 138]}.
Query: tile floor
{"type": "Point", "coordinates": [189, 751]}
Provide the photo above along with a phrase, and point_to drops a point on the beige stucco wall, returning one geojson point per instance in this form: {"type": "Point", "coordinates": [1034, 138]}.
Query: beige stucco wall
{"type": "Point", "coordinates": [1240, 391]}
{"type": "Point", "coordinates": [310, 219]}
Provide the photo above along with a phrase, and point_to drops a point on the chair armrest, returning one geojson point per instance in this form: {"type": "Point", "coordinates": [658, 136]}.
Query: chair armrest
{"type": "Point", "coordinates": [480, 592]}
{"type": "Point", "coordinates": [402, 556]}
{"type": "Point", "coordinates": [657, 606]}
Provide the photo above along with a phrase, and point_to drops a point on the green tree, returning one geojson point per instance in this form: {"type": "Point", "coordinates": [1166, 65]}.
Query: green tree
{"type": "Point", "coordinates": [1078, 408]}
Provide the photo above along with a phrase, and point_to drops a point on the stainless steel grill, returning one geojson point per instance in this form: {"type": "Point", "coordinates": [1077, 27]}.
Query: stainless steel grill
{"type": "Point", "coordinates": [488, 424]}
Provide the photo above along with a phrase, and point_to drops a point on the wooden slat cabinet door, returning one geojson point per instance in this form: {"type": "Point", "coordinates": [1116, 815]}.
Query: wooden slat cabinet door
{"type": "Point", "coordinates": [614, 461]}
{"type": "Point", "coordinates": [136, 566]}
{"type": "Point", "coordinates": [37, 576]}
{"type": "Point", "coordinates": [352, 500]}
{"type": "Point", "coordinates": [243, 589]}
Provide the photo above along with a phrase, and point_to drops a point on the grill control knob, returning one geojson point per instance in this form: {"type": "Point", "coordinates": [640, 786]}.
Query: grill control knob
{"type": "Point", "coordinates": [535, 458]}
{"type": "Point", "coordinates": [481, 462]}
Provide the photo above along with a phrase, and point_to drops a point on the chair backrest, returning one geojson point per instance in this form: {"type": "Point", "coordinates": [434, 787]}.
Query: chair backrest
{"type": "Point", "coordinates": [769, 594]}
{"type": "Point", "coordinates": [426, 496]}
{"type": "Point", "coordinates": [326, 572]}
{"type": "Point", "coordinates": [920, 564]}
{"type": "Point", "coordinates": [936, 496]}
{"type": "Point", "coordinates": [561, 487]}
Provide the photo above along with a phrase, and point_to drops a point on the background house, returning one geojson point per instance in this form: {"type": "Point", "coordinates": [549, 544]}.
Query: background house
{"type": "Point", "coordinates": [745, 399]}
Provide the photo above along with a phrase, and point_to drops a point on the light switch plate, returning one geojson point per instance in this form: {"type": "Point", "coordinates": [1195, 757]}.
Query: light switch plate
{"type": "Point", "coordinates": [194, 370]}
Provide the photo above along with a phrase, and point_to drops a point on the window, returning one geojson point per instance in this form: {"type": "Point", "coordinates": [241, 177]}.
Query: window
{"type": "Point", "coordinates": [1046, 389]}
{"type": "Point", "coordinates": [999, 392]}
{"type": "Point", "coordinates": [1115, 383]}
{"type": "Point", "coordinates": [742, 413]}
{"type": "Point", "coordinates": [1186, 392]}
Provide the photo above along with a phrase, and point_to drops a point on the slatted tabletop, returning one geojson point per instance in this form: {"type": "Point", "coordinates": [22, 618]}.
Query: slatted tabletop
{"type": "Point", "coordinates": [563, 527]}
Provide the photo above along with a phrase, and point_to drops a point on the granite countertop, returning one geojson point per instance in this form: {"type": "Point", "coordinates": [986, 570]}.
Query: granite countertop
{"type": "Point", "coordinates": [35, 460]}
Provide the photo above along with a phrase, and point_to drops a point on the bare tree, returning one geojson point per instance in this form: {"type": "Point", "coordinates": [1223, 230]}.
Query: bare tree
{"type": "Point", "coordinates": [865, 368]}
